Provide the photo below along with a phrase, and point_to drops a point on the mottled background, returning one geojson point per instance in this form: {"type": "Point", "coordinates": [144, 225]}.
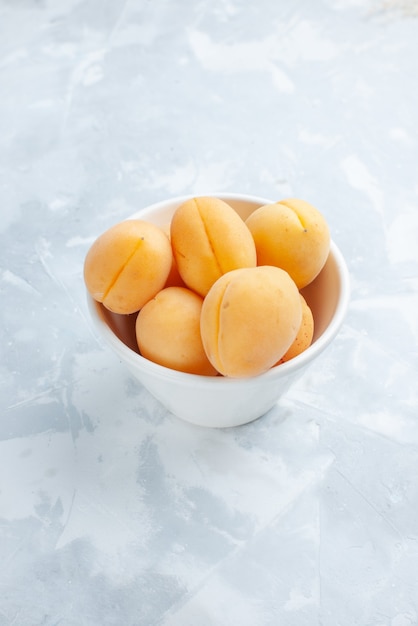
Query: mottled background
{"type": "Point", "coordinates": [113, 512]}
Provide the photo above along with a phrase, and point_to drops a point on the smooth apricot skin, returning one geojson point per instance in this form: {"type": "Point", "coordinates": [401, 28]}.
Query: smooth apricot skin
{"type": "Point", "coordinates": [291, 234]}
{"type": "Point", "coordinates": [304, 336]}
{"type": "Point", "coordinates": [209, 239]}
{"type": "Point", "coordinates": [168, 332]}
{"type": "Point", "coordinates": [250, 318]}
{"type": "Point", "coordinates": [127, 265]}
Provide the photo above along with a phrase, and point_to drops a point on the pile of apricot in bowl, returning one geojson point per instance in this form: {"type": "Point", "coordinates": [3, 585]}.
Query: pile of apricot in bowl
{"type": "Point", "coordinates": [212, 292]}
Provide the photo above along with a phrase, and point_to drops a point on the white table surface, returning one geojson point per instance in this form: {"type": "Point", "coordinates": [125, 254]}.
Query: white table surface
{"type": "Point", "coordinates": [112, 511]}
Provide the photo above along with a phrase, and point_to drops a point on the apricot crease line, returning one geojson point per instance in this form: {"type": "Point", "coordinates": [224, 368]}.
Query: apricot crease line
{"type": "Point", "coordinates": [119, 272]}
{"type": "Point", "coordinates": [301, 221]}
{"type": "Point", "coordinates": [208, 238]}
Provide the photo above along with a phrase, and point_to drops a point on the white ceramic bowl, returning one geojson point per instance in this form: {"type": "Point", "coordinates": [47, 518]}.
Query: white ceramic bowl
{"type": "Point", "coordinates": [218, 401]}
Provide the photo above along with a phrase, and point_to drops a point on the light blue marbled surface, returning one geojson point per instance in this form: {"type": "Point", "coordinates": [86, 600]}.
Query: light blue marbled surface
{"type": "Point", "coordinates": [113, 512]}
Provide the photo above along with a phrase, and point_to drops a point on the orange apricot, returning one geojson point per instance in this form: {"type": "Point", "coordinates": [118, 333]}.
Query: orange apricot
{"type": "Point", "coordinates": [209, 239]}
{"type": "Point", "coordinates": [293, 235]}
{"type": "Point", "coordinates": [305, 333]}
{"type": "Point", "coordinates": [168, 331]}
{"type": "Point", "coordinates": [127, 265]}
{"type": "Point", "coordinates": [250, 318]}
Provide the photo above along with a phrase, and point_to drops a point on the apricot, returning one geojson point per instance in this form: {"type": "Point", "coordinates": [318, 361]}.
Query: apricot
{"type": "Point", "coordinates": [250, 318]}
{"type": "Point", "coordinates": [209, 239]}
{"type": "Point", "coordinates": [293, 235]}
{"type": "Point", "coordinates": [305, 333]}
{"type": "Point", "coordinates": [168, 331]}
{"type": "Point", "coordinates": [127, 265]}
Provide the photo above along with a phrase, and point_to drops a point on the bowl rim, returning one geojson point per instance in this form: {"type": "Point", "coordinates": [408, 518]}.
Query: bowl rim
{"type": "Point", "coordinates": [276, 372]}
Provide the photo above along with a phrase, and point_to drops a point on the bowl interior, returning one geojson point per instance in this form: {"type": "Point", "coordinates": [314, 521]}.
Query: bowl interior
{"type": "Point", "coordinates": [322, 295]}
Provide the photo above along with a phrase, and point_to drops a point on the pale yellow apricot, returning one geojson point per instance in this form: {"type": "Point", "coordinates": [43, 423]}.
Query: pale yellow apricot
{"type": "Point", "coordinates": [127, 265]}
{"type": "Point", "coordinates": [209, 239]}
{"type": "Point", "coordinates": [293, 235]}
{"type": "Point", "coordinates": [305, 333]}
{"type": "Point", "coordinates": [168, 331]}
{"type": "Point", "coordinates": [250, 318]}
